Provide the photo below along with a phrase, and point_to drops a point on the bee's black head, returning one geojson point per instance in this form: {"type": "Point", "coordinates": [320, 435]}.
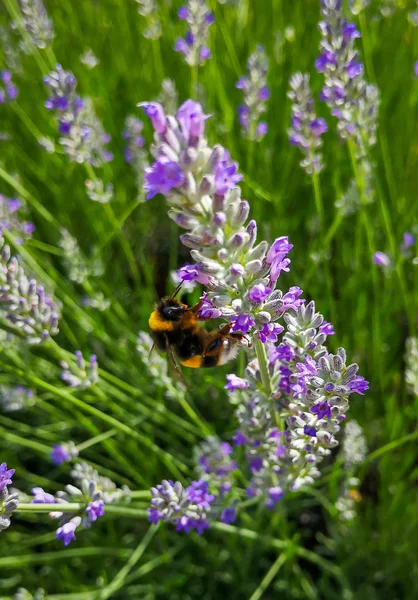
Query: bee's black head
{"type": "Point", "coordinates": [170, 309]}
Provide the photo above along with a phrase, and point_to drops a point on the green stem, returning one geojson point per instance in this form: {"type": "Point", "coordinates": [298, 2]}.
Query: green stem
{"type": "Point", "coordinates": [318, 200]}
{"type": "Point", "coordinates": [263, 366]}
{"type": "Point", "coordinates": [119, 580]}
{"type": "Point", "coordinates": [265, 379]}
{"type": "Point", "coordinates": [269, 576]}
{"type": "Point", "coordinates": [71, 507]}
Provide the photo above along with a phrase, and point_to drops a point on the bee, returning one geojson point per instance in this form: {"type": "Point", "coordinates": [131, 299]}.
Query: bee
{"type": "Point", "coordinates": [176, 331]}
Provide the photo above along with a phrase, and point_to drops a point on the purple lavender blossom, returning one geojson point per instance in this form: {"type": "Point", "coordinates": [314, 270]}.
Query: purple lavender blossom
{"type": "Point", "coordinates": [322, 409]}
{"type": "Point", "coordinates": [259, 292]}
{"type": "Point", "coordinates": [381, 259]}
{"type": "Point", "coordinates": [95, 509]}
{"type": "Point", "coordinates": [235, 383]}
{"type": "Point", "coordinates": [358, 385]}
{"type": "Point", "coordinates": [256, 93]}
{"type": "Point", "coordinates": [350, 98]}
{"type": "Point", "coordinates": [194, 45]}
{"type": "Point", "coordinates": [41, 497]}
{"type": "Point", "coordinates": [5, 476]}
{"type": "Point", "coordinates": [190, 273]}
{"type": "Point", "coordinates": [242, 323]}
{"type": "Point", "coordinates": [192, 121]}
{"type": "Point", "coordinates": [408, 241]}
{"type": "Point", "coordinates": [327, 328]}
{"type": "Point", "coordinates": [66, 532]}
{"type": "Point", "coordinates": [306, 128]}
{"type": "Point", "coordinates": [228, 515]}
{"type": "Point", "coordinates": [155, 112]}
{"type": "Point", "coordinates": [239, 438]}
{"type": "Point", "coordinates": [62, 453]}
{"type": "Point", "coordinates": [83, 136]}
{"type": "Point", "coordinates": [8, 91]}
{"type": "Point", "coordinates": [270, 332]}
{"type": "Point", "coordinates": [134, 140]}
{"type": "Point", "coordinates": [226, 175]}
{"type": "Point", "coordinates": [163, 176]}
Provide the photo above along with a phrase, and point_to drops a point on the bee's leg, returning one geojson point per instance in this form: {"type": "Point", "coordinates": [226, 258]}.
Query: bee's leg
{"type": "Point", "coordinates": [195, 309]}
{"type": "Point", "coordinates": [173, 361]}
{"type": "Point", "coordinates": [151, 351]}
{"type": "Point", "coordinates": [225, 329]}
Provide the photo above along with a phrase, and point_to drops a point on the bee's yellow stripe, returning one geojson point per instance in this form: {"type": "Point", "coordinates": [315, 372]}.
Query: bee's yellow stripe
{"type": "Point", "coordinates": [156, 323]}
{"type": "Point", "coordinates": [195, 362]}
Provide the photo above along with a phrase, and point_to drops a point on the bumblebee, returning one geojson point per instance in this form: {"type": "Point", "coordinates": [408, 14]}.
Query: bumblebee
{"type": "Point", "coordinates": [176, 331]}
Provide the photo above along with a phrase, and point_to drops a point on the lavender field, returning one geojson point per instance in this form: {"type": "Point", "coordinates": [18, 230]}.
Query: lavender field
{"type": "Point", "coordinates": [253, 163]}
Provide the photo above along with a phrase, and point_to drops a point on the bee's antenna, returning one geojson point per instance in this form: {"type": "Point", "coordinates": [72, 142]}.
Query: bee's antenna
{"type": "Point", "coordinates": [176, 291]}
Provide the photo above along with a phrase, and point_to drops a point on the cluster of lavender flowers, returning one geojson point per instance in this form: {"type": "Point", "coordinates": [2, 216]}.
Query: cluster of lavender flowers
{"type": "Point", "coordinates": [62, 453]}
{"type": "Point", "coordinates": [80, 375]}
{"type": "Point", "coordinates": [288, 434]}
{"type": "Point", "coordinates": [199, 183]}
{"type": "Point", "coordinates": [83, 137]}
{"type": "Point", "coordinates": [38, 25]}
{"type": "Point", "coordinates": [205, 500]}
{"type": "Point", "coordinates": [354, 450]}
{"type": "Point", "coordinates": [10, 49]}
{"type": "Point", "coordinates": [149, 10]}
{"type": "Point", "coordinates": [411, 370]}
{"type": "Point", "coordinates": [133, 152]}
{"type": "Point", "coordinates": [306, 128]}
{"type": "Point", "coordinates": [351, 99]}
{"type": "Point", "coordinates": [134, 140]}
{"type": "Point", "coordinates": [256, 93]}
{"type": "Point", "coordinates": [291, 405]}
{"type": "Point", "coordinates": [8, 502]}
{"type": "Point", "coordinates": [8, 90]}
{"type": "Point", "coordinates": [194, 45]}
{"type": "Point", "coordinates": [23, 302]}
{"type": "Point", "coordinates": [93, 493]}
{"type": "Point", "coordinates": [77, 266]}
{"type": "Point", "coordinates": [15, 398]}
{"type": "Point", "coordinates": [10, 221]}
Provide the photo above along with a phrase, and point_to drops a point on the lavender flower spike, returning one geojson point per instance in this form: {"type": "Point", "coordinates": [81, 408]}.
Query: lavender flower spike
{"type": "Point", "coordinates": [8, 91]}
{"type": "Point", "coordinates": [306, 128]}
{"type": "Point", "coordinates": [194, 45]}
{"type": "Point", "coordinates": [83, 137]}
{"type": "Point", "coordinates": [351, 99]}
{"type": "Point", "coordinates": [290, 406]}
{"type": "Point", "coordinates": [23, 302]}
{"type": "Point", "coordinates": [256, 93]}
{"type": "Point", "coordinates": [200, 184]}
{"type": "Point", "coordinates": [37, 23]}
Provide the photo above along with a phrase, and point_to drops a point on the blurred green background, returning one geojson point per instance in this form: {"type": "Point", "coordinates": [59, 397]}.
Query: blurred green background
{"type": "Point", "coordinates": [375, 556]}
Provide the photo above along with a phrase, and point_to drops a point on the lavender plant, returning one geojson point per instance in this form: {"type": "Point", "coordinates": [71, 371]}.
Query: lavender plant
{"type": "Point", "coordinates": [149, 10]}
{"type": "Point", "coordinates": [87, 501]}
{"type": "Point", "coordinates": [351, 99]}
{"type": "Point", "coordinates": [15, 398]}
{"type": "Point", "coordinates": [256, 93]}
{"type": "Point", "coordinates": [24, 303]}
{"type": "Point", "coordinates": [411, 360]}
{"type": "Point", "coordinates": [295, 394]}
{"type": "Point", "coordinates": [35, 20]}
{"type": "Point", "coordinates": [8, 501]}
{"type": "Point", "coordinates": [194, 45]}
{"type": "Point", "coordinates": [10, 219]}
{"type": "Point", "coordinates": [83, 137]}
{"type": "Point", "coordinates": [306, 128]}
{"type": "Point", "coordinates": [80, 375]}
{"type": "Point", "coordinates": [8, 90]}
